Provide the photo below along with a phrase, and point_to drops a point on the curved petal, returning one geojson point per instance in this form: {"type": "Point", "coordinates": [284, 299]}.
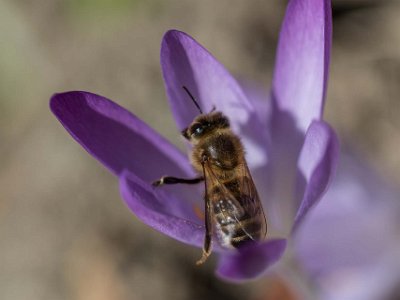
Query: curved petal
{"type": "Point", "coordinates": [317, 166]}
{"type": "Point", "coordinates": [251, 260]}
{"type": "Point", "coordinates": [184, 62]}
{"type": "Point", "coordinates": [160, 211]}
{"type": "Point", "coordinates": [302, 62]}
{"type": "Point", "coordinates": [117, 138]}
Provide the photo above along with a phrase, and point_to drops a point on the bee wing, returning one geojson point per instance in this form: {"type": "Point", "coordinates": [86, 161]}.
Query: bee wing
{"type": "Point", "coordinates": [216, 191]}
{"type": "Point", "coordinates": [250, 199]}
{"type": "Point", "coordinates": [245, 203]}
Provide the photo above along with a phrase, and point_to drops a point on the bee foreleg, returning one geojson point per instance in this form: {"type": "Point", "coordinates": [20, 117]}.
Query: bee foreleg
{"type": "Point", "coordinates": [175, 180]}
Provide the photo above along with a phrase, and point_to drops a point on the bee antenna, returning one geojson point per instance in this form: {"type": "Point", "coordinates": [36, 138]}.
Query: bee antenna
{"type": "Point", "coordinates": [194, 100]}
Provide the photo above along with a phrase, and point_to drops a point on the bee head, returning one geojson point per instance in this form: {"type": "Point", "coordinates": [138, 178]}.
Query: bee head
{"type": "Point", "coordinates": [205, 124]}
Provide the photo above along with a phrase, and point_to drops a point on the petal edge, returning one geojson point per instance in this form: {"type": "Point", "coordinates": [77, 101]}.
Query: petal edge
{"type": "Point", "coordinates": [250, 261]}
{"type": "Point", "coordinates": [302, 62]}
{"type": "Point", "coordinates": [317, 166]}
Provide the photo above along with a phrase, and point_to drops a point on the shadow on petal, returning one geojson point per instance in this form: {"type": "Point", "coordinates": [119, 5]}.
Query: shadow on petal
{"type": "Point", "coordinates": [286, 143]}
{"type": "Point", "coordinates": [250, 261]}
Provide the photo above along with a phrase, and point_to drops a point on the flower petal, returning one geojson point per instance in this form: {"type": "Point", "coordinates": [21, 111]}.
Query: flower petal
{"type": "Point", "coordinates": [302, 62]}
{"type": "Point", "coordinates": [115, 137]}
{"type": "Point", "coordinates": [159, 211]}
{"type": "Point", "coordinates": [352, 236]}
{"type": "Point", "coordinates": [185, 62]}
{"type": "Point", "coordinates": [317, 166]}
{"type": "Point", "coordinates": [250, 261]}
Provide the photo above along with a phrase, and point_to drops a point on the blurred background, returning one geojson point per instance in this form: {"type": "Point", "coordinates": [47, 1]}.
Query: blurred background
{"type": "Point", "coordinates": [64, 232]}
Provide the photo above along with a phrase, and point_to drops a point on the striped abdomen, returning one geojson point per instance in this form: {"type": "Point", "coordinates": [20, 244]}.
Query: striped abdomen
{"type": "Point", "coordinates": [235, 221]}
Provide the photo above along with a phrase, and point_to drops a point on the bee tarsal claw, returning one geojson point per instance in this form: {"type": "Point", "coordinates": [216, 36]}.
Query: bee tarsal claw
{"type": "Point", "coordinates": [203, 258]}
{"type": "Point", "coordinates": [158, 182]}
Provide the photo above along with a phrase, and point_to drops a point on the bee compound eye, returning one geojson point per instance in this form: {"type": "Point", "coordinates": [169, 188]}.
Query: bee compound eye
{"type": "Point", "coordinates": [199, 130]}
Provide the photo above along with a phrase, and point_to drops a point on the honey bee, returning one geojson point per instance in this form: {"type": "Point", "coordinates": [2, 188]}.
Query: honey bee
{"type": "Point", "coordinates": [233, 210]}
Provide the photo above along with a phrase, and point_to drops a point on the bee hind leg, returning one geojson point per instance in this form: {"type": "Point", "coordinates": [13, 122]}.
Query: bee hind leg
{"type": "Point", "coordinates": [206, 250]}
{"type": "Point", "coordinates": [209, 230]}
{"type": "Point", "coordinates": [175, 180]}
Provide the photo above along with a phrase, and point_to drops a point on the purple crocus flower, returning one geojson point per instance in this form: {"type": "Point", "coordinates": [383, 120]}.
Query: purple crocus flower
{"type": "Point", "coordinates": [291, 151]}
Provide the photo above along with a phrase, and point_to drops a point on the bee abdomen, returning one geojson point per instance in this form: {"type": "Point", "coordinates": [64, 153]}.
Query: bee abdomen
{"type": "Point", "coordinates": [235, 227]}
{"type": "Point", "coordinates": [246, 229]}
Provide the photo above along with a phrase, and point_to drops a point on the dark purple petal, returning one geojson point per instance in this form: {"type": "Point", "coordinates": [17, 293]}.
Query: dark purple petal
{"type": "Point", "coordinates": [251, 260]}
{"type": "Point", "coordinates": [302, 62]}
{"type": "Point", "coordinates": [317, 166]}
{"type": "Point", "coordinates": [185, 62]}
{"type": "Point", "coordinates": [118, 139]}
{"type": "Point", "coordinates": [160, 211]}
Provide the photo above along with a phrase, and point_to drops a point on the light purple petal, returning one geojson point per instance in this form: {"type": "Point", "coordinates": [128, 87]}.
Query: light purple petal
{"type": "Point", "coordinates": [185, 62]}
{"type": "Point", "coordinates": [259, 97]}
{"type": "Point", "coordinates": [350, 242]}
{"type": "Point", "coordinates": [317, 166]}
{"type": "Point", "coordinates": [302, 62]}
{"type": "Point", "coordinates": [117, 138]}
{"type": "Point", "coordinates": [159, 210]}
{"type": "Point", "coordinates": [251, 260]}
